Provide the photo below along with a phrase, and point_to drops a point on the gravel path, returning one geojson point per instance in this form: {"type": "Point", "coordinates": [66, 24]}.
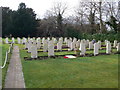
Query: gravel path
{"type": "Point", "coordinates": [14, 77]}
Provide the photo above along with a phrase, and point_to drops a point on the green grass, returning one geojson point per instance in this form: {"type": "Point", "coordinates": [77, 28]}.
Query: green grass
{"type": "Point", "coordinates": [5, 48]}
{"type": "Point", "coordinates": [82, 72]}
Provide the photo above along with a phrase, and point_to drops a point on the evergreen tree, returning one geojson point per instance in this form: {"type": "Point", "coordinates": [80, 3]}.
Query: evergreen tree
{"type": "Point", "coordinates": [6, 21]}
{"type": "Point", "coordinates": [24, 22]}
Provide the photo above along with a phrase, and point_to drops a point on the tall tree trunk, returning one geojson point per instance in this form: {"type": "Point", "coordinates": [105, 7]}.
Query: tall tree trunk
{"type": "Point", "coordinates": [101, 22]}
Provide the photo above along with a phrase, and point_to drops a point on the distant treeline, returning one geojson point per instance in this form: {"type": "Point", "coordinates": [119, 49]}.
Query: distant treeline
{"type": "Point", "coordinates": [23, 23]}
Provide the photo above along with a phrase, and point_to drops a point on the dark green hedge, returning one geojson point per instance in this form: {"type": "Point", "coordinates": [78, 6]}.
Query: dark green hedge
{"type": "Point", "coordinates": [108, 36]}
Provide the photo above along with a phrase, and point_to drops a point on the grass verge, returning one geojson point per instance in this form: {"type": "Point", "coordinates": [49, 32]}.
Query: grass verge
{"type": "Point", "coordinates": [82, 72]}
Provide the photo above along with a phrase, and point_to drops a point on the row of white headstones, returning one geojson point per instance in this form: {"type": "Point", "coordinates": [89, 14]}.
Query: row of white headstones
{"type": "Point", "coordinates": [48, 44]}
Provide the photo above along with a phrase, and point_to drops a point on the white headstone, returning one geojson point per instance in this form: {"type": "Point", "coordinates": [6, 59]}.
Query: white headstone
{"type": "Point", "coordinates": [50, 48]}
{"type": "Point", "coordinates": [29, 46]}
{"type": "Point", "coordinates": [6, 40]}
{"type": "Point", "coordinates": [59, 46]}
{"type": "Point", "coordinates": [38, 39]}
{"type": "Point", "coordinates": [99, 44]}
{"type": "Point", "coordinates": [72, 47]}
{"type": "Point", "coordinates": [18, 40]}
{"type": "Point", "coordinates": [108, 47]}
{"type": "Point", "coordinates": [33, 38]}
{"type": "Point", "coordinates": [69, 42]}
{"type": "Point", "coordinates": [13, 40]}
{"type": "Point", "coordinates": [118, 47]}
{"type": "Point", "coordinates": [82, 48]}
{"type": "Point", "coordinates": [45, 46]}
{"type": "Point", "coordinates": [28, 38]}
{"type": "Point", "coordinates": [91, 45]}
{"type": "Point", "coordinates": [87, 43]}
{"type": "Point", "coordinates": [78, 44]}
{"type": "Point", "coordinates": [61, 39]}
{"type": "Point", "coordinates": [74, 39]}
{"type": "Point", "coordinates": [34, 51]}
{"type": "Point", "coordinates": [26, 45]}
{"type": "Point", "coordinates": [96, 49]}
{"type": "Point", "coordinates": [34, 42]}
{"type": "Point", "coordinates": [24, 40]}
{"type": "Point", "coordinates": [48, 39]}
{"type": "Point", "coordinates": [65, 40]}
{"type": "Point", "coordinates": [0, 40]}
{"type": "Point", "coordinates": [38, 44]}
{"type": "Point", "coordinates": [43, 39]}
{"type": "Point", "coordinates": [55, 40]}
{"type": "Point", "coordinates": [70, 38]}
{"type": "Point", "coordinates": [106, 42]}
{"type": "Point", "coordinates": [81, 44]}
{"type": "Point", "coordinates": [115, 43]}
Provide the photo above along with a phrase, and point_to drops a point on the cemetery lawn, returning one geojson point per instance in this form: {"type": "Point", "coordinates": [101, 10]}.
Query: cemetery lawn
{"type": "Point", "coordinates": [4, 47]}
{"type": "Point", "coordinates": [82, 72]}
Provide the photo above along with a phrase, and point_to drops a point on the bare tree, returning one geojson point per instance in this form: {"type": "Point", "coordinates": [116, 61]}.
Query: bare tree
{"type": "Point", "coordinates": [52, 24]}
{"type": "Point", "coordinates": [96, 13]}
{"type": "Point", "coordinates": [100, 16]}
{"type": "Point", "coordinates": [110, 11]}
{"type": "Point", "coordinates": [87, 14]}
{"type": "Point", "coordinates": [118, 12]}
{"type": "Point", "coordinates": [58, 10]}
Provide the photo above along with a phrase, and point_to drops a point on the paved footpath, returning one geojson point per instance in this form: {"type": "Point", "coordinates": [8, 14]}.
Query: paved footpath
{"type": "Point", "coordinates": [14, 77]}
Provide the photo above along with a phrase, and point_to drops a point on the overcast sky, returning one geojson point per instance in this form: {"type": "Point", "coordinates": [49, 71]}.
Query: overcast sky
{"type": "Point", "coordinates": [40, 6]}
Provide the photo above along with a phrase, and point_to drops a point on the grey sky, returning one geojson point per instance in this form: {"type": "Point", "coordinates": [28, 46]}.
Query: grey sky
{"type": "Point", "coordinates": [40, 6]}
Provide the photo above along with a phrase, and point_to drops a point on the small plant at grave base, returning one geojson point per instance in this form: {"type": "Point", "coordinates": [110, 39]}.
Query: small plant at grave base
{"type": "Point", "coordinates": [111, 51]}
{"type": "Point", "coordinates": [77, 52]}
{"type": "Point", "coordinates": [118, 52]}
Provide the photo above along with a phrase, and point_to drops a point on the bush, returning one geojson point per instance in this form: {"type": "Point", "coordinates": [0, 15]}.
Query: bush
{"type": "Point", "coordinates": [108, 36]}
{"type": "Point", "coordinates": [71, 32]}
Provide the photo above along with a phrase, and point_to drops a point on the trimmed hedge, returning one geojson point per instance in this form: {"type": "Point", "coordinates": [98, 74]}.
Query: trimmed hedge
{"type": "Point", "coordinates": [108, 36]}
